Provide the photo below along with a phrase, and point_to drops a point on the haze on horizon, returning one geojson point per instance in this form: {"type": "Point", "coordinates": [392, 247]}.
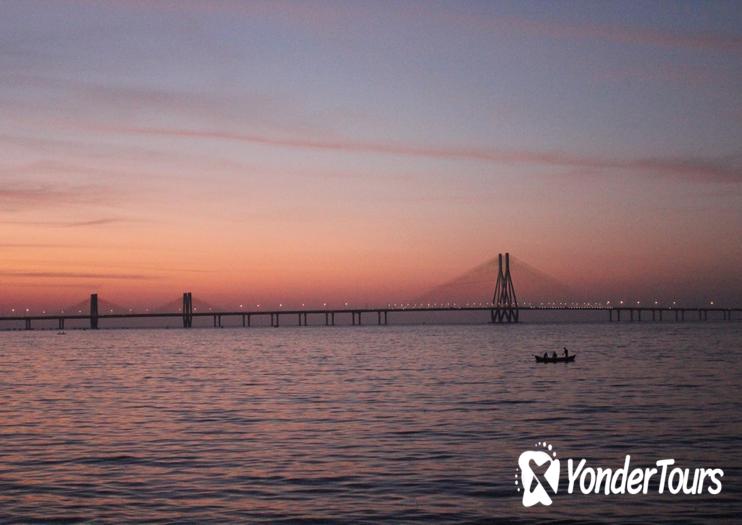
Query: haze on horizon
{"type": "Point", "coordinates": [316, 152]}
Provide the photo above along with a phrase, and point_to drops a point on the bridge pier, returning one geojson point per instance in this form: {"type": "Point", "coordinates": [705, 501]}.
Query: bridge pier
{"type": "Point", "coordinates": [386, 321]}
{"type": "Point", "coordinates": [28, 324]}
{"type": "Point", "coordinates": [187, 310]}
{"type": "Point", "coordinates": [60, 324]}
{"type": "Point", "coordinates": [618, 315]}
{"type": "Point", "coordinates": [631, 313]}
{"type": "Point", "coordinates": [94, 311]}
{"type": "Point", "coordinates": [332, 318]}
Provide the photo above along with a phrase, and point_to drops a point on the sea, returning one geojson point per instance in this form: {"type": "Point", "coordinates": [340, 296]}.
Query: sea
{"type": "Point", "coordinates": [364, 424]}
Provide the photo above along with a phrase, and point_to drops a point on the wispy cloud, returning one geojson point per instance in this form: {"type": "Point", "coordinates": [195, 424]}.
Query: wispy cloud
{"type": "Point", "coordinates": [18, 194]}
{"type": "Point", "coordinates": [94, 222]}
{"type": "Point", "coordinates": [712, 170]}
{"type": "Point", "coordinates": [622, 34]}
{"type": "Point", "coordinates": [76, 275]}
{"type": "Point", "coordinates": [24, 245]}
{"type": "Point", "coordinates": [328, 17]}
{"type": "Point", "coordinates": [72, 224]}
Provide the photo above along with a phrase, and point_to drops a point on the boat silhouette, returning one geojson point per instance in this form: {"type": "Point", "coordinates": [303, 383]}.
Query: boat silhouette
{"type": "Point", "coordinates": [558, 359]}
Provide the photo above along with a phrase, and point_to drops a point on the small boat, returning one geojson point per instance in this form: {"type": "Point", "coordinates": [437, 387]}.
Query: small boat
{"type": "Point", "coordinates": [557, 359]}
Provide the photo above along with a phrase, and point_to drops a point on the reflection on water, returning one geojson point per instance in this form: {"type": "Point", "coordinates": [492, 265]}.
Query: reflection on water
{"type": "Point", "coordinates": [358, 424]}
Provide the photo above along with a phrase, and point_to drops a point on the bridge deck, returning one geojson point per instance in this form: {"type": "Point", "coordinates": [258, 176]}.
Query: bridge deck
{"type": "Point", "coordinates": [701, 310]}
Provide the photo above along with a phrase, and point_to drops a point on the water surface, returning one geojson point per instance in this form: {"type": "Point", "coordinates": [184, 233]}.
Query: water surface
{"type": "Point", "coordinates": [358, 424]}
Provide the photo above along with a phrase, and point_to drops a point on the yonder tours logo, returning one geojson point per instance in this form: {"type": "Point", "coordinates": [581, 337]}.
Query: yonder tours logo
{"type": "Point", "coordinates": [539, 470]}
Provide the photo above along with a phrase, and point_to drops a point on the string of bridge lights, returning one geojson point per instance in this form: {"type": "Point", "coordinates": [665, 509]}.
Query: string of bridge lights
{"type": "Point", "coordinates": [347, 304]}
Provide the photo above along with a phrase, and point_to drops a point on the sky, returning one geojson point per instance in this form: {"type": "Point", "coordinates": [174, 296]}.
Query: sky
{"type": "Point", "coordinates": [364, 152]}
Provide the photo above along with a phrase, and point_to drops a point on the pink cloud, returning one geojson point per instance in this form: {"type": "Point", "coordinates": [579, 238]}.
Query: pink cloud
{"type": "Point", "coordinates": [724, 170]}
{"type": "Point", "coordinates": [75, 275]}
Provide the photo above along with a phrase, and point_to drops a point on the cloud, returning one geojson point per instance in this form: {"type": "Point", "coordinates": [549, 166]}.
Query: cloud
{"type": "Point", "coordinates": [86, 285]}
{"type": "Point", "coordinates": [17, 195]}
{"type": "Point", "coordinates": [76, 275]}
{"type": "Point", "coordinates": [117, 101]}
{"type": "Point", "coordinates": [37, 245]}
{"type": "Point", "coordinates": [710, 170]}
{"type": "Point", "coordinates": [93, 222]}
{"type": "Point", "coordinates": [72, 224]}
{"type": "Point", "coordinates": [621, 34]}
{"type": "Point", "coordinates": [14, 198]}
{"type": "Point", "coordinates": [328, 17]}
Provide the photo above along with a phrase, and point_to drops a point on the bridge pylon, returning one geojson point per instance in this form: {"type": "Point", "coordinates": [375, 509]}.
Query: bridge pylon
{"type": "Point", "coordinates": [504, 300]}
{"type": "Point", "coordinates": [94, 311]}
{"type": "Point", "coordinates": [187, 310]}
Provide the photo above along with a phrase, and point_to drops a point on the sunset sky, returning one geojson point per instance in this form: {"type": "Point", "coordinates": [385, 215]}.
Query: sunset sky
{"type": "Point", "coordinates": [366, 151]}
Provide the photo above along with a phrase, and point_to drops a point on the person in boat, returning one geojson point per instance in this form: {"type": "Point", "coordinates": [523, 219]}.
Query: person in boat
{"type": "Point", "coordinates": [546, 356]}
{"type": "Point", "coordinates": [566, 352]}
{"type": "Point", "coordinates": [554, 355]}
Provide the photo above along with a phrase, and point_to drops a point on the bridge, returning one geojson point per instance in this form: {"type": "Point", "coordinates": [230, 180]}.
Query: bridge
{"type": "Point", "coordinates": [504, 309]}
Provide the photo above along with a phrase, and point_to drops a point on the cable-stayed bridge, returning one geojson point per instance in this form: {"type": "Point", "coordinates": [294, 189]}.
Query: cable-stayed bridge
{"type": "Point", "coordinates": [504, 307]}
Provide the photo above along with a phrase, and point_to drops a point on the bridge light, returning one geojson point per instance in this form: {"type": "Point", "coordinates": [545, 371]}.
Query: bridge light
{"type": "Point", "coordinates": [712, 302]}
